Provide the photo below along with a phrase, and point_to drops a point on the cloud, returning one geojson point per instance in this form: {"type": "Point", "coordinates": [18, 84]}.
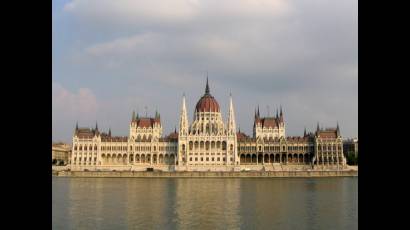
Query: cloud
{"type": "Point", "coordinates": [82, 103]}
{"type": "Point", "coordinates": [301, 54]}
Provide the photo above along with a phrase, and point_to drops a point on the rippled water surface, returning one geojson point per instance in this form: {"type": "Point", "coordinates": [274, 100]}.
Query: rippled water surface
{"type": "Point", "coordinates": [204, 203]}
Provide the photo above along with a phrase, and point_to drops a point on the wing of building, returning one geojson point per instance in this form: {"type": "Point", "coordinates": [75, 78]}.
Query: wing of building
{"type": "Point", "coordinates": [207, 143]}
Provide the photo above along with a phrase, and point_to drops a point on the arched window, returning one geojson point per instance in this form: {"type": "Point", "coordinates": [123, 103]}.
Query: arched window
{"type": "Point", "coordinates": [183, 147]}
{"type": "Point", "coordinates": [81, 147]}
{"type": "Point", "coordinates": [95, 147]}
{"type": "Point", "coordinates": [231, 148]}
{"type": "Point", "coordinates": [75, 147]}
{"type": "Point", "coordinates": [190, 145]}
{"type": "Point", "coordinates": [223, 145]}
{"type": "Point", "coordinates": [85, 147]}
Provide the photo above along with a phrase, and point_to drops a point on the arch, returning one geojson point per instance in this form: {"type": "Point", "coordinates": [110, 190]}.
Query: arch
{"type": "Point", "coordinates": [277, 158]}
{"type": "Point", "coordinates": [196, 145]}
{"type": "Point", "coordinates": [218, 144]}
{"type": "Point", "coordinates": [243, 158]}
{"type": "Point", "coordinates": [166, 158]}
{"type": "Point", "coordinates": [142, 158]}
{"type": "Point", "coordinates": [301, 159]}
{"type": "Point", "coordinates": [290, 158]}
{"type": "Point", "coordinates": [271, 158]}
{"type": "Point", "coordinates": [172, 158]}
{"type": "Point", "coordinates": [191, 145]}
{"type": "Point", "coordinates": [266, 158]}
{"type": "Point", "coordinates": [223, 145]}
{"type": "Point", "coordinates": [295, 158]}
{"type": "Point", "coordinates": [212, 144]}
{"type": "Point", "coordinates": [201, 145]}
{"type": "Point", "coordinates": [254, 158]}
{"type": "Point", "coordinates": [207, 145]}
{"type": "Point", "coordinates": [248, 158]}
{"type": "Point", "coordinates": [260, 158]}
{"type": "Point", "coordinates": [137, 158]}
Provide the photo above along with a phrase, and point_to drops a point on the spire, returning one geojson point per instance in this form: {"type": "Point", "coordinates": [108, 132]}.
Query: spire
{"type": "Point", "coordinates": [277, 113]}
{"type": "Point", "coordinates": [207, 85]}
{"type": "Point", "coordinates": [133, 115]}
{"type": "Point", "coordinates": [183, 119]}
{"type": "Point", "coordinates": [138, 116]}
{"type": "Point", "coordinates": [317, 128]}
{"type": "Point", "coordinates": [109, 132]}
{"type": "Point", "coordinates": [96, 126]}
{"type": "Point", "coordinates": [281, 114]}
{"type": "Point", "coordinates": [304, 132]}
{"type": "Point", "coordinates": [231, 118]}
{"type": "Point", "coordinates": [175, 129]}
{"type": "Point", "coordinates": [258, 111]}
{"type": "Point", "coordinates": [337, 129]}
{"type": "Point", "coordinates": [76, 126]}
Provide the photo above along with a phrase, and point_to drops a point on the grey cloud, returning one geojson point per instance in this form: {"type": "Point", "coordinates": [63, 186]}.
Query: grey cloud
{"type": "Point", "coordinates": [301, 54]}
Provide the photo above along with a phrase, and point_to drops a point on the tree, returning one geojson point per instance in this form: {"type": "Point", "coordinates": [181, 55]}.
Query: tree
{"type": "Point", "coordinates": [352, 158]}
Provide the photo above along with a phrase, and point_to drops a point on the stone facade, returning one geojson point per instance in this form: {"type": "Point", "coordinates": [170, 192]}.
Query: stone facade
{"type": "Point", "coordinates": [60, 153]}
{"type": "Point", "coordinates": [207, 144]}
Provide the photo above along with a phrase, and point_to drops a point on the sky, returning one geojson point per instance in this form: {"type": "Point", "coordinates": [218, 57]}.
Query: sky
{"type": "Point", "coordinates": [110, 57]}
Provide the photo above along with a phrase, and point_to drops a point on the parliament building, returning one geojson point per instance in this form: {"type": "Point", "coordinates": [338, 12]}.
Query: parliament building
{"type": "Point", "coordinates": [208, 143]}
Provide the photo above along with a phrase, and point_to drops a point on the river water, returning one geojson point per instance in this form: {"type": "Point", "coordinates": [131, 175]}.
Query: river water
{"type": "Point", "coordinates": [204, 203]}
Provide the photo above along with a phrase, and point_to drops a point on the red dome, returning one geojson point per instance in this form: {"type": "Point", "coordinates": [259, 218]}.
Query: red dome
{"type": "Point", "coordinates": [207, 103]}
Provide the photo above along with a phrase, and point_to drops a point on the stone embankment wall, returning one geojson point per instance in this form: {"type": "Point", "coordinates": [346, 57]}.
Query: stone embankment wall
{"type": "Point", "coordinates": [307, 173]}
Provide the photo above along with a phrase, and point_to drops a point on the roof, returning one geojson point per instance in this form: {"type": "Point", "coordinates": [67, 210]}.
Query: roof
{"type": "Point", "coordinates": [328, 133]}
{"type": "Point", "coordinates": [268, 122]}
{"type": "Point", "coordinates": [207, 103]}
{"type": "Point", "coordinates": [85, 133]}
{"type": "Point", "coordinates": [147, 122]}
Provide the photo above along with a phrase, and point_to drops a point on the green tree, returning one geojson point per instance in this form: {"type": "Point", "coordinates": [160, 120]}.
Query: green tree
{"type": "Point", "coordinates": [352, 158]}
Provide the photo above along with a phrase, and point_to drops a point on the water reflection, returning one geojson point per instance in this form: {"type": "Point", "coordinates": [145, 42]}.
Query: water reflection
{"type": "Point", "coordinates": [189, 203]}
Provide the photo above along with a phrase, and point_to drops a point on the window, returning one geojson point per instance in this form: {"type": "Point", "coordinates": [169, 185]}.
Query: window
{"type": "Point", "coordinates": [212, 159]}
{"type": "Point", "coordinates": [190, 159]}
{"type": "Point", "coordinates": [207, 159]}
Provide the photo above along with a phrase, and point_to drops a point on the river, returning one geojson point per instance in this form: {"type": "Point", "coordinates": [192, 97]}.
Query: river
{"type": "Point", "coordinates": [205, 203]}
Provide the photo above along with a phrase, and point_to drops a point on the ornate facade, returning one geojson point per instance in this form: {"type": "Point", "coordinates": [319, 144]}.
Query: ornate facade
{"type": "Point", "coordinates": [208, 143]}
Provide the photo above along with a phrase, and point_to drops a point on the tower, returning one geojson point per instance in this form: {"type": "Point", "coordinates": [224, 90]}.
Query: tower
{"type": "Point", "coordinates": [183, 132]}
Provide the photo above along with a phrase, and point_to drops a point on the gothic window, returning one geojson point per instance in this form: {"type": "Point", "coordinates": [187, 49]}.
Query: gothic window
{"type": "Point", "coordinates": [190, 145]}
{"type": "Point", "coordinates": [85, 147]}
{"type": "Point", "coordinates": [231, 148]}
{"type": "Point", "coordinates": [75, 147]}
{"type": "Point", "coordinates": [81, 147]}
{"type": "Point", "coordinates": [95, 147]}
{"type": "Point", "coordinates": [223, 145]}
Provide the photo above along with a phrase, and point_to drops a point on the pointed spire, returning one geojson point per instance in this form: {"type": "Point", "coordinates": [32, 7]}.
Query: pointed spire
{"type": "Point", "coordinates": [277, 113]}
{"type": "Point", "coordinates": [133, 115]}
{"type": "Point", "coordinates": [239, 128]}
{"type": "Point", "coordinates": [337, 129]}
{"type": "Point", "coordinates": [317, 128]}
{"type": "Point", "coordinates": [76, 126]}
{"type": "Point", "coordinates": [281, 114]}
{"type": "Point", "coordinates": [207, 85]}
{"type": "Point", "coordinates": [304, 132]}
{"type": "Point", "coordinates": [138, 116]}
{"type": "Point", "coordinates": [258, 111]}
{"type": "Point", "coordinates": [96, 126]}
{"type": "Point", "coordinates": [109, 132]}
{"type": "Point", "coordinates": [175, 129]}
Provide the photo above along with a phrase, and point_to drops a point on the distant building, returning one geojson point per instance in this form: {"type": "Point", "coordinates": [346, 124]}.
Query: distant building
{"type": "Point", "coordinates": [351, 145]}
{"type": "Point", "coordinates": [60, 153]}
{"type": "Point", "coordinates": [208, 143]}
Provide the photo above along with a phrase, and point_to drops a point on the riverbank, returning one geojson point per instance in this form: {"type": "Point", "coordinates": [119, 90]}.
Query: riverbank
{"type": "Point", "coordinates": [125, 174]}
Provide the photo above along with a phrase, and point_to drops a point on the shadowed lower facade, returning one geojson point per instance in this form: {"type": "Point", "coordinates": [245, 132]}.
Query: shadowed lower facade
{"type": "Point", "coordinates": [207, 144]}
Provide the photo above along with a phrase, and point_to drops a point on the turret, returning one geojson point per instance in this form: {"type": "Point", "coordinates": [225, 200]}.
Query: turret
{"type": "Point", "coordinates": [183, 119]}
{"type": "Point", "coordinates": [231, 118]}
